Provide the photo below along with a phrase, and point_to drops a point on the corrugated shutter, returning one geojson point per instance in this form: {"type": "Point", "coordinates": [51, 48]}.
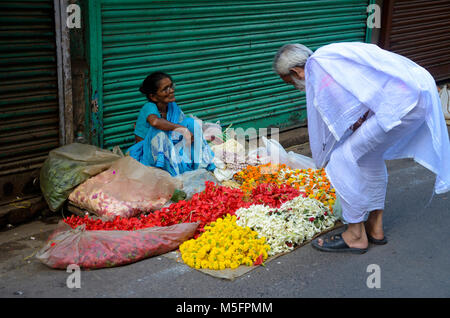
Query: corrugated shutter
{"type": "Point", "coordinates": [419, 30]}
{"type": "Point", "coordinates": [218, 53]}
{"type": "Point", "coordinates": [28, 85]}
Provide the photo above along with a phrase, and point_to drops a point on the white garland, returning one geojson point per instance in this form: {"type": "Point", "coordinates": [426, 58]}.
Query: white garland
{"type": "Point", "coordinates": [291, 223]}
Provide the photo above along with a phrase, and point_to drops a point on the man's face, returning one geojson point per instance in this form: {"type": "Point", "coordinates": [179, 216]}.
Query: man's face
{"type": "Point", "coordinates": [296, 78]}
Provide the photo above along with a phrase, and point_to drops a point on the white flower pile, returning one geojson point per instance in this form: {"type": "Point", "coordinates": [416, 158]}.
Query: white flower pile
{"type": "Point", "coordinates": [293, 223]}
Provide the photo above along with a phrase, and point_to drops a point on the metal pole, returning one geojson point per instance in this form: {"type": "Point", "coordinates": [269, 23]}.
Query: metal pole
{"type": "Point", "coordinates": [64, 73]}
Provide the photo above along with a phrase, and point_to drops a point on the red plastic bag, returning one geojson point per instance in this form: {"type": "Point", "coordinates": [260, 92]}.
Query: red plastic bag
{"type": "Point", "coordinates": [99, 249]}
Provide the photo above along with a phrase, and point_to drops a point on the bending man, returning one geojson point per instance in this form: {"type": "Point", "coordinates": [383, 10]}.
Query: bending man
{"type": "Point", "coordinates": [366, 105]}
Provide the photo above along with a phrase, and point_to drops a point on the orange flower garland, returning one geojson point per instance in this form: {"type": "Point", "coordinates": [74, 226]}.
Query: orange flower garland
{"type": "Point", "coordinates": [313, 182]}
{"type": "Point", "coordinates": [252, 176]}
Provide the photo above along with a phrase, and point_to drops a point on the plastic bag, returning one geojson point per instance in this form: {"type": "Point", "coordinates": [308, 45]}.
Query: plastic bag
{"type": "Point", "coordinates": [68, 166]}
{"type": "Point", "coordinates": [337, 209]}
{"type": "Point", "coordinates": [212, 132]}
{"type": "Point", "coordinates": [444, 95]}
{"type": "Point", "coordinates": [230, 151]}
{"type": "Point", "coordinates": [299, 161]}
{"type": "Point", "coordinates": [258, 155]}
{"type": "Point", "coordinates": [126, 189]}
{"type": "Point", "coordinates": [194, 181]}
{"type": "Point", "coordinates": [273, 152]}
{"type": "Point", "coordinates": [98, 249]}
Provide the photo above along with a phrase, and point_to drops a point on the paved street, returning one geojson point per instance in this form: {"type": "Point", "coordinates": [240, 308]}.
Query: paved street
{"type": "Point", "coordinates": [415, 262]}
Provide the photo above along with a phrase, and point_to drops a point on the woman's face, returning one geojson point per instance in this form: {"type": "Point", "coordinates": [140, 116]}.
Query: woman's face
{"type": "Point", "coordinates": [165, 93]}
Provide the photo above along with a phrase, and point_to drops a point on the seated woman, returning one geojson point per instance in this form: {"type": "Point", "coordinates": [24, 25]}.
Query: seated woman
{"type": "Point", "coordinates": [165, 137]}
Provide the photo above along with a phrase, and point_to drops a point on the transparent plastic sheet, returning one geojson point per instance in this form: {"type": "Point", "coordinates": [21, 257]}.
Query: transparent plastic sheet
{"type": "Point", "coordinates": [68, 166]}
{"type": "Point", "coordinates": [99, 249]}
{"type": "Point", "coordinates": [126, 189]}
{"type": "Point", "coordinates": [194, 181]}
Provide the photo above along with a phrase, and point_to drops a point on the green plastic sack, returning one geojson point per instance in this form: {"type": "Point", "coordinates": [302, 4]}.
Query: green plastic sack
{"type": "Point", "coordinates": [68, 166]}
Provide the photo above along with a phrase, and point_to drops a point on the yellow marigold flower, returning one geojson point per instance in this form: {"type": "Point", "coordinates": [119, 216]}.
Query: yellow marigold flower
{"type": "Point", "coordinates": [234, 265]}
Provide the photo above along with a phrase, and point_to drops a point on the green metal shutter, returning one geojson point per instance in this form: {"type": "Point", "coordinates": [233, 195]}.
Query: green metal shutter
{"type": "Point", "coordinates": [28, 85]}
{"type": "Point", "coordinates": [218, 53]}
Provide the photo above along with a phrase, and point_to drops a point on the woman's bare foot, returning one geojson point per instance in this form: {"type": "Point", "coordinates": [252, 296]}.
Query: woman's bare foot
{"type": "Point", "coordinates": [374, 225]}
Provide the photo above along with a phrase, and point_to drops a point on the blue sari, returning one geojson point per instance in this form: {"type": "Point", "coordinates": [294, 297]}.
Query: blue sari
{"type": "Point", "coordinates": [169, 151]}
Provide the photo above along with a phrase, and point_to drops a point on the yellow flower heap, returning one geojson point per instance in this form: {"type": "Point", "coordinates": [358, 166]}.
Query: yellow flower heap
{"type": "Point", "coordinates": [224, 244]}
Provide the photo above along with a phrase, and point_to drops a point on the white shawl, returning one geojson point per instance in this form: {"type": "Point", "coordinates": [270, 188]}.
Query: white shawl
{"type": "Point", "coordinates": [344, 80]}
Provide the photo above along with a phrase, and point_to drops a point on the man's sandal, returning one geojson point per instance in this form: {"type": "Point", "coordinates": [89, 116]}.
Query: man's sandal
{"type": "Point", "coordinates": [336, 244]}
{"type": "Point", "coordinates": [375, 241]}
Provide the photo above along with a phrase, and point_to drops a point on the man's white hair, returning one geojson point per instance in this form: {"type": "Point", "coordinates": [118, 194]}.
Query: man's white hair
{"type": "Point", "coordinates": [289, 56]}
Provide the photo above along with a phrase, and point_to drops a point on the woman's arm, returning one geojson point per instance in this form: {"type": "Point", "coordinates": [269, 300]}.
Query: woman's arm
{"type": "Point", "coordinates": [162, 124]}
{"type": "Point", "coordinates": [166, 125]}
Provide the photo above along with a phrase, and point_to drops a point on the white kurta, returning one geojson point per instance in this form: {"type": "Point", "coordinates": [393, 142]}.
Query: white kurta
{"type": "Point", "coordinates": [343, 81]}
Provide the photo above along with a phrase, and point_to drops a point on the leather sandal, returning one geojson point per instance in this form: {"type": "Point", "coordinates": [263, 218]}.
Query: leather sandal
{"type": "Point", "coordinates": [375, 241]}
{"type": "Point", "coordinates": [336, 244]}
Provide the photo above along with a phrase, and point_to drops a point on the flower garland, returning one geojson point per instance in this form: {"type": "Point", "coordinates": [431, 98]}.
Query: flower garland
{"type": "Point", "coordinates": [252, 176]}
{"type": "Point", "coordinates": [224, 244]}
{"type": "Point", "coordinates": [313, 182]}
{"type": "Point", "coordinates": [294, 222]}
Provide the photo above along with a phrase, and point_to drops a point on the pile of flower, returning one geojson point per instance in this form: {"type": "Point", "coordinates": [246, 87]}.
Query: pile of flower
{"type": "Point", "coordinates": [313, 182]}
{"type": "Point", "coordinates": [294, 222]}
{"type": "Point", "coordinates": [252, 176]}
{"type": "Point", "coordinates": [274, 195]}
{"type": "Point", "coordinates": [224, 244]}
{"type": "Point", "coordinates": [204, 207]}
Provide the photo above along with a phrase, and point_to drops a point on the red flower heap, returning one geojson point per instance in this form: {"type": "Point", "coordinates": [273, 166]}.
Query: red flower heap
{"type": "Point", "coordinates": [204, 207]}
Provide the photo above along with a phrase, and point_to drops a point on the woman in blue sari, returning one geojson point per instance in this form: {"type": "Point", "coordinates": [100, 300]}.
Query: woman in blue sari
{"type": "Point", "coordinates": [165, 137]}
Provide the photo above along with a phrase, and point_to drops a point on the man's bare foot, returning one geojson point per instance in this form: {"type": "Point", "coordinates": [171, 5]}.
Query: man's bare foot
{"type": "Point", "coordinates": [355, 236]}
{"type": "Point", "coordinates": [355, 239]}
{"type": "Point", "coordinates": [374, 225]}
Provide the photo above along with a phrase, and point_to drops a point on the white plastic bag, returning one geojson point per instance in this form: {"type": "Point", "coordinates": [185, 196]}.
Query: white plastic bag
{"type": "Point", "coordinates": [444, 94]}
{"type": "Point", "coordinates": [274, 152]}
{"type": "Point", "coordinates": [299, 161]}
{"type": "Point", "coordinates": [212, 132]}
{"type": "Point", "coordinates": [258, 155]}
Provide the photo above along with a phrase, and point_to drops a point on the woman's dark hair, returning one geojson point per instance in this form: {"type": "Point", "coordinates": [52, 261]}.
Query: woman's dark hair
{"type": "Point", "coordinates": [150, 84]}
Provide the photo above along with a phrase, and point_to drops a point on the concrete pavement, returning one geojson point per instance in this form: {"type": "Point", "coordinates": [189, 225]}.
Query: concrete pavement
{"type": "Point", "coordinates": [415, 262]}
